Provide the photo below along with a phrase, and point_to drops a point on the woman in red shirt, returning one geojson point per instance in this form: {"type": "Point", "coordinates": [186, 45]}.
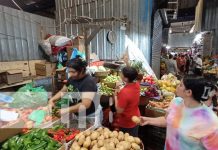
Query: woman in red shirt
{"type": "Point", "coordinates": [127, 100]}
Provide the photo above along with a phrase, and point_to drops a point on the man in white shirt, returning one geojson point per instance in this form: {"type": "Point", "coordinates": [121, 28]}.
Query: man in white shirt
{"type": "Point", "coordinates": [198, 65]}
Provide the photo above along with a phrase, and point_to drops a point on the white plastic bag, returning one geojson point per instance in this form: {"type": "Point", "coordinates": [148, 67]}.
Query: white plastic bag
{"type": "Point", "coordinates": [46, 46]}
{"type": "Point", "coordinates": [57, 40]}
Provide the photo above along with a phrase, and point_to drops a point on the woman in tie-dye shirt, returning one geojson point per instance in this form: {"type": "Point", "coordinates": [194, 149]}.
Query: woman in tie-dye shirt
{"type": "Point", "coordinates": [191, 125]}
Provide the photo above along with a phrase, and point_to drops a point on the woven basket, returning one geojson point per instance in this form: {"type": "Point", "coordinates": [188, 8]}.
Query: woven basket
{"type": "Point", "coordinates": [110, 85]}
{"type": "Point", "coordinates": [102, 74]}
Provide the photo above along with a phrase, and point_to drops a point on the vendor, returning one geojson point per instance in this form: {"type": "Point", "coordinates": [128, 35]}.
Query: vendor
{"type": "Point", "coordinates": [84, 88]}
{"type": "Point", "coordinates": [127, 101]}
{"type": "Point", "coordinates": [190, 123]}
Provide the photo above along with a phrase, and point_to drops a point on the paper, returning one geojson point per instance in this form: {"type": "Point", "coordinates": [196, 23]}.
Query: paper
{"type": "Point", "coordinates": [8, 116]}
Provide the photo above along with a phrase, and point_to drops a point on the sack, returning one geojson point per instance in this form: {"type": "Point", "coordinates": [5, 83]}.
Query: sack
{"type": "Point", "coordinates": [59, 40]}
{"type": "Point", "coordinates": [46, 47]}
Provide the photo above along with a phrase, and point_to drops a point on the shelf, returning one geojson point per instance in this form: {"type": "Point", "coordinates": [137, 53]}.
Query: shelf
{"type": "Point", "coordinates": [26, 81]}
{"type": "Point", "coordinates": [4, 86]}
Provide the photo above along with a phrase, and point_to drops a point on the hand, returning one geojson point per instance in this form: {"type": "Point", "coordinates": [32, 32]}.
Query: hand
{"type": "Point", "coordinates": [51, 104]}
{"type": "Point", "coordinates": [63, 111]}
{"type": "Point", "coordinates": [116, 91]}
{"type": "Point", "coordinates": [144, 121]}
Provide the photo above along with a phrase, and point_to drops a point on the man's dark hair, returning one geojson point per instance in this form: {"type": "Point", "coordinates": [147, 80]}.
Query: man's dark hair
{"type": "Point", "coordinates": [130, 73]}
{"type": "Point", "coordinates": [78, 64]}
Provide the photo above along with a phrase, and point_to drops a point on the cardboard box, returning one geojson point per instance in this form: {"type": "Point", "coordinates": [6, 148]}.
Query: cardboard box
{"type": "Point", "coordinates": [79, 40]}
{"type": "Point", "coordinates": [61, 74]}
{"type": "Point", "coordinates": [11, 76]}
{"type": "Point", "coordinates": [44, 69]}
{"type": "Point", "coordinates": [79, 43]}
{"type": "Point", "coordinates": [11, 130]}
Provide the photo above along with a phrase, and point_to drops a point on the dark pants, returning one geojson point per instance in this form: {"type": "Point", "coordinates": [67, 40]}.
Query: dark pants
{"type": "Point", "coordinates": [131, 131]}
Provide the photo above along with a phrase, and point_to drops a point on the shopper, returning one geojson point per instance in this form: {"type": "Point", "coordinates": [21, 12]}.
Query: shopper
{"type": "Point", "coordinates": [83, 91]}
{"type": "Point", "coordinates": [198, 66]}
{"type": "Point", "coordinates": [191, 125]}
{"type": "Point", "coordinates": [127, 101]}
{"type": "Point", "coordinates": [188, 62]}
{"type": "Point", "coordinates": [171, 65]}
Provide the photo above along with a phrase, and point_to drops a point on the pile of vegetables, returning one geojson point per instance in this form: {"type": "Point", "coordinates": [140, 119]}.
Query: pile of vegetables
{"type": "Point", "coordinates": [37, 139]}
{"type": "Point", "coordinates": [138, 65]}
{"type": "Point", "coordinates": [111, 79]}
{"type": "Point", "coordinates": [104, 139]}
{"type": "Point", "coordinates": [149, 79]}
{"type": "Point", "coordinates": [105, 90]}
{"type": "Point", "coordinates": [59, 133]}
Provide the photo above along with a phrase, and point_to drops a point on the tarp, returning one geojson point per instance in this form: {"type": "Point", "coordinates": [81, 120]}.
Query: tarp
{"type": "Point", "coordinates": [134, 53]}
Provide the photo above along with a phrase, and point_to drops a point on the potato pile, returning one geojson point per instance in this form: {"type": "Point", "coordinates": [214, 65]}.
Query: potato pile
{"type": "Point", "coordinates": [104, 139]}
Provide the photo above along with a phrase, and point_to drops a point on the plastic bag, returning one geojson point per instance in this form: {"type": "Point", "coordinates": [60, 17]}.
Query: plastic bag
{"type": "Point", "coordinates": [29, 97]}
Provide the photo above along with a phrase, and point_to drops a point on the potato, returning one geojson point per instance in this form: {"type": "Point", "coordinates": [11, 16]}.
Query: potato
{"type": "Point", "coordinates": [126, 134]}
{"type": "Point", "coordinates": [100, 129]}
{"type": "Point", "coordinates": [111, 135]}
{"type": "Point", "coordinates": [95, 146]}
{"type": "Point", "coordinates": [100, 143]}
{"type": "Point", "coordinates": [120, 147]}
{"type": "Point", "coordinates": [135, 146]}
{"type": "Point", "coordinates": [93, 143]}
{"type": "Point", "coordinates": [81, 140]}
{"type": "Point", "coordinates": [78, 136]}
{"type": "Point", "coordinates": [94, 135]}
{"type": "Point", "coordinates": [101, 137]}
{"type": "Point", "coordinates": [126, 144]}
{"type": "Point", "coordinates": [120, 137]}
{"type": "Point", "coordinates": [121, 133]}
{"type": "Point", "coordinates": [75, 146]}
{"type": "Point", "coordinates": [130, 139]}
{"type": "Point", "coordinates": [136, 120]}
{"type": "Point", "coordinates": [83, 148]}
{"type": "Point", "coordinates": [137, 140]}
{"type": "Point", "coordinates": [87, 143]}
{"type": "Point", "coordinates": [115, 134]}
{"type": "Point", "coordinates": [106, 130]}
{"type": "Point", "coordinates": [106, 135]}
{"type": "Point", "coordinates": [87, 133]}
{"type": "Point", "coordinates": [109, 146]}
{"type": "Point", "coordinates": [115, 141]}
{"type": "Point", "coordinates": [103, 148]}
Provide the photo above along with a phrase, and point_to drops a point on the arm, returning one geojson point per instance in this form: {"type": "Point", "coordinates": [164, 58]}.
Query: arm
{"type": "Point", "coordinates": [159, 121]}
{"type": "Point", "coordinates": [87, 98]}
{"type": "Point", "coordinates": [210, 142]}
{"type": "Point", "coordinates": [58, 95]}
{"type": "Point", "coordinates": [119, 109]}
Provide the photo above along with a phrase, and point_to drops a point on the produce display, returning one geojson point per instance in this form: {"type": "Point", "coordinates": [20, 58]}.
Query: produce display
{"type": "Point", "coordinates": [161, 105]}
{"type": "Point", "coordinates": [168, 83]}
{"type": "Point", "coordinates": [111, 79]}
{"type": "Point", "coordinates": [37, 139]}
{"type": "Point", "coordinates": [138, 65]}
{"type": "Point", "coordinates": [149, 79]}
{"type": "Point", "coordinates": [104, 139]}
{"type": "Point", "coordinates": [60, 133]}
{"type": "Point", "coordinates": [149, 91]}
{"type": "Point", "coordinates": [105, 90]}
